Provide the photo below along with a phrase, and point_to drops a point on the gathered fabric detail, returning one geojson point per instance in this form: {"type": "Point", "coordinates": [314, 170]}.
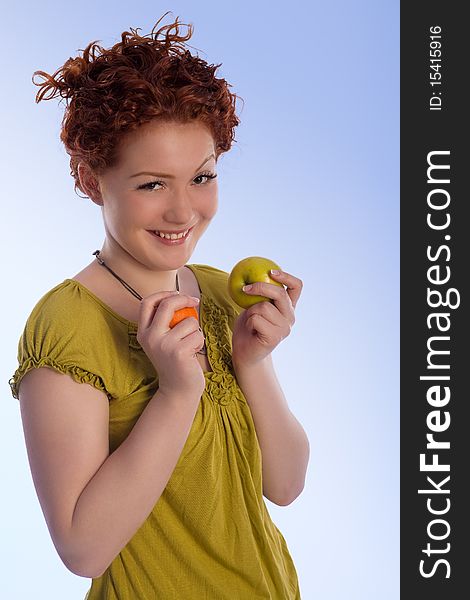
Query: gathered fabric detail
{"type": "Point", "coordinates": [221, 384]}
{"type": "Point", "coordinates": [79, 375]}
{"type": "Point", "coordinates": [218, 338]}
{"type": "Point", "coordinates": [222, 388]}
{"type": "Point", "coordinates": [132, 333]}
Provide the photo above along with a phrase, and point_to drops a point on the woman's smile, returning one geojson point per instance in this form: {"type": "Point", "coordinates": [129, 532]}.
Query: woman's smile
{"type": "Point", "coordinates": [172, 239]}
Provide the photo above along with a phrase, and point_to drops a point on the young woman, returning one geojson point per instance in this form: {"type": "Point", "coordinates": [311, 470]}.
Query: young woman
{"type": "Point", "coordinates": [151, 477]}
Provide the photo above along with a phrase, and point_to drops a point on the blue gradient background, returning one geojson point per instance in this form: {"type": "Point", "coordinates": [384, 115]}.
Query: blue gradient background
{"type": "Point", "coordinates": [312, 183]}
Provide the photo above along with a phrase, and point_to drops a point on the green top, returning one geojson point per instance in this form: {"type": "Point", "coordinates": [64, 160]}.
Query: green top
{"type": "Point", "coordinates": [210, 535]}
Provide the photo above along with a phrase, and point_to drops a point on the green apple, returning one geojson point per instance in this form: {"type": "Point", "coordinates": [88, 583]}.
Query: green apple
{"type": "Point", "coordinates": [250, 270]}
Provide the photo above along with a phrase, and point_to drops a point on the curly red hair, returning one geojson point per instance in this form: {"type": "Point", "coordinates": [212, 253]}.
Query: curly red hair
{"type": "Point", "coordinates": [110, 92]}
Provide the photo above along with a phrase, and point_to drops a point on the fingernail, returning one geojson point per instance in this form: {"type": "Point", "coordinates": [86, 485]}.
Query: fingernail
{"type": "Point", "coordinates": [247, 288]}
{"type": "Point", "coordinates": [275, 272]}
{"type": "Point", "coordinates": [194, 298]}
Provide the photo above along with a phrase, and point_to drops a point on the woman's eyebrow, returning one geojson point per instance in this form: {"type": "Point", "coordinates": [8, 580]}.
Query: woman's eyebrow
{"type": "Point", "coordinates": [166, 174]}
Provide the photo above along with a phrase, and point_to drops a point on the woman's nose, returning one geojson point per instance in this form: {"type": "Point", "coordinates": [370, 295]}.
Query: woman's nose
{"type": "Point", "coordinates": [179, 209]}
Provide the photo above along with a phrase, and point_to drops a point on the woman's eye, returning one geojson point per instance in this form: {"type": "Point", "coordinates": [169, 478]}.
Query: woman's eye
{"type": "Point", "coordinates": [206, 176]}
{"type": "Point", "coordinates": [148, 186]}
{"type": "Point", "coordinates": [199, 181]}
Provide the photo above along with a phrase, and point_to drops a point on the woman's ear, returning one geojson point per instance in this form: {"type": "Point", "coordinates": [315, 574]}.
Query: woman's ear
{"type": "Point", "coordinates": [89, 184]}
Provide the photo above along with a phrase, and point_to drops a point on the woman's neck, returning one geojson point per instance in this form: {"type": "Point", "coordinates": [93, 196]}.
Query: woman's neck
{"type": "Point", "coordinates": [142, 278]}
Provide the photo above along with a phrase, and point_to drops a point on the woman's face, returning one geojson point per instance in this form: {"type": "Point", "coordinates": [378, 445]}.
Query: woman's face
{"type": "Point", "coordinates": [164, 182]}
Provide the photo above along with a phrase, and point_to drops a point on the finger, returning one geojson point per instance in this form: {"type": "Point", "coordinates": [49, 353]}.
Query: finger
{"type": "Point", "coordinates": [166, 309]}
{"type": "Point", "coordinates": [184, 328]}
{"type": "Point", "coordinates": [149, 305]}
{"type": "Point", "coordinates": [269, 335]}
{"type": "Point", "coordinates": [193, 342]}
{"type": "Point", "coordinates": [294, 285]}
{"type": "Point", "coordinates": [188, 334]}
{"type": "Point", "coordinates": [267, 310]}
{"type": "Point", "coordinates": [160, 314]}
{"type": "Point", "coordinates": [273, 316]}
{"type": "Point", "coordinates": [277, 293]}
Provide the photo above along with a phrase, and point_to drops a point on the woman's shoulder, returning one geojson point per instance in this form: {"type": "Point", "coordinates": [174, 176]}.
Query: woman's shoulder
{"type": "Point", "coordinates": [68, 331]}
{"type": "Point", "coordinates": [66, 307]}
{"type": "Point", "coordinates": [209, 270]}
{"type": "Point", "coordinates": [58, 302]}
{"type": "Point", "coordinates": [61, 295]}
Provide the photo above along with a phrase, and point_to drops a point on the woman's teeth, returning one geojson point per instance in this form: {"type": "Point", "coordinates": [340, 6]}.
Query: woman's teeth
{"type": "Point", "coordinates": [172, 236]}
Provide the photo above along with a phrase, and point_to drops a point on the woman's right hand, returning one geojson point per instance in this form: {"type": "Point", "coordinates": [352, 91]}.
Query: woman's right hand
{"type": "Point", "coordinates": [172, 351]}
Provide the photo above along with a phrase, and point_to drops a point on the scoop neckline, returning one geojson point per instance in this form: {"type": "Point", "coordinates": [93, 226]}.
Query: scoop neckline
{"type": "Point", "coordinates": [134, 324]}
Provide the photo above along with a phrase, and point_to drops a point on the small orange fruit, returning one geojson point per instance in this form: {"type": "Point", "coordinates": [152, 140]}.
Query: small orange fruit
{"type": "Point", "coordinates": [183, 313]}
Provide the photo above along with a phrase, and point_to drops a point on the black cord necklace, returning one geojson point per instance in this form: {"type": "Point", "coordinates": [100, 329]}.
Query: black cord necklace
{"type": "Point", "coordinates": [132, 290]}
{"type": "Point", "coordinates": [126, 285]}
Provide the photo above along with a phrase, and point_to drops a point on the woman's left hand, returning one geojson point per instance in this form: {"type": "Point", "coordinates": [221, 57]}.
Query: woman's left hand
{"type": "Point", "coordinates": [260, 328]}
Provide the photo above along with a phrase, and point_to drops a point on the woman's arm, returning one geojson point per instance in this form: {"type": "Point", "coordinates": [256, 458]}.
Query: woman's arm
{"type": "Point", "coordinates": [284, 444]}
{"type": "Point", "coordinates": [93, 501]}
